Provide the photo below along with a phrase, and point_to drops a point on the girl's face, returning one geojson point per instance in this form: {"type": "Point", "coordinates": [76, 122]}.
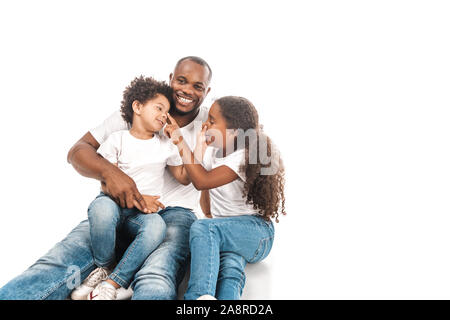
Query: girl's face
{"type": "Point", "coordinates": [153, 113]}
{"type": "Point", "coordinates": [217, 134]}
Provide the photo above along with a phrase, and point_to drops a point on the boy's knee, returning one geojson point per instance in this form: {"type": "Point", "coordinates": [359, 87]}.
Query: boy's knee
{"type": "Point", "coordinates": [154, 226]}
{"type": "Point", "coordinates": [103, 208]}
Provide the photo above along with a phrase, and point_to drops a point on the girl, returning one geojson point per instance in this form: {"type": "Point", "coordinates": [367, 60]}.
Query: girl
{"type": "Point", "coordinates": [245, 179]}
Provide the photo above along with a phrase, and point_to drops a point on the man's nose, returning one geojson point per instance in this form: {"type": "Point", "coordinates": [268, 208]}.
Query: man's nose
{"type": "Point", "coordinates": [187, 90]}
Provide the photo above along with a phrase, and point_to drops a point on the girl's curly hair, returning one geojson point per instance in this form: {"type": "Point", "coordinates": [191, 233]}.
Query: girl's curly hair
{"type": "Point", "coordinates": [143, 89]}
{"type": "Point", "coordinates": [263, 167]}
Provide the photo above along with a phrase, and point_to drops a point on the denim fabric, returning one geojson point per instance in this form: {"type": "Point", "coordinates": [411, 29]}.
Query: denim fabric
{"type": "Point", "coordinates": [70, 261]}
{"type": "Point", "coordinates": [250, 237]}
{"type": "Point", "coordinates": [105, 217]}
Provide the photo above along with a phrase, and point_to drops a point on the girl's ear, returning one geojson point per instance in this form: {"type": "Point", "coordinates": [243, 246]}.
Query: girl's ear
{"type": "Point", "coordinates": [136, 105]}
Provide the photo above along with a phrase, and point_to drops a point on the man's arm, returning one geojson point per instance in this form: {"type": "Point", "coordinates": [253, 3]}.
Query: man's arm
{"type": "Point", "coordinates": [84, 158]}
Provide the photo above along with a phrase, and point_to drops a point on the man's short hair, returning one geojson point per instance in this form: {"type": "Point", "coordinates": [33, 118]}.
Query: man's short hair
{"type": "Point", "coordinates": [199, 61]}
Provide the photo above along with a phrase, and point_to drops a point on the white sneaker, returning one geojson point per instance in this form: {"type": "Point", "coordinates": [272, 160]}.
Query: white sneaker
{"type": "Point", "coordinates": [124, 294]}
{"type": "Point", "coordinates": [206, 297]}
{"type": "Point", "coordinates": [104, 291]}
{"type": "Point", "coordinates": [88, 285]}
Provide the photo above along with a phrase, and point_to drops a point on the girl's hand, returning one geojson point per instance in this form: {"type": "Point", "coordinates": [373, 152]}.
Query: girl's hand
{"type": "Point", "coordinates": [153, 205]}
{"type": "Point", "coordinates": [201, 145]}
{"type": "Point", "coordinates": [172, 130]}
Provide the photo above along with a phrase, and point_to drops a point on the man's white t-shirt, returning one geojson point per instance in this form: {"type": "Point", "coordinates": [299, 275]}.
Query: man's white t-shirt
{"type": "Point", "coordinates": [228, 200]}
{"type": "Point", "coordinates": [173, 193]}
{"type": "Point", "coordinates": [144, 160]}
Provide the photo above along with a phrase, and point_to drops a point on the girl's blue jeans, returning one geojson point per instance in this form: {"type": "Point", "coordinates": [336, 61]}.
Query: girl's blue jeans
{"type": "Point", "coordinates": [247, 238]}
{"type": "Point", "coordinates": [105, 218]}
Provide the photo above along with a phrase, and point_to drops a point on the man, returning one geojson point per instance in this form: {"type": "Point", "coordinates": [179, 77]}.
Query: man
{"type": "Point", "coordinates": [70, 261]}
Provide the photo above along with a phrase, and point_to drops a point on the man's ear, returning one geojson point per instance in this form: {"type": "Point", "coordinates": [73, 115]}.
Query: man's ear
{"type": "Point", "coordinates": [170, 76]}
{"type": "Point", "coordinates": [136, 105]}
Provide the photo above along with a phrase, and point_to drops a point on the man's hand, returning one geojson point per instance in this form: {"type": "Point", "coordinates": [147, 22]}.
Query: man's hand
{"type": "Point", "coordinates": [153, 204]}
{"type": "Point", "coordinates": [122, 189]}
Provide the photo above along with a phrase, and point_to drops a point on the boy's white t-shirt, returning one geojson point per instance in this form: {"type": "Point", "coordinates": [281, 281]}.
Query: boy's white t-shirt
{"type": "Point", "coordinates": [173, 192]}
{"type": "Point", "coordinates": [144, 161]}
{"type": "Point", "coordinates": [228, 200]}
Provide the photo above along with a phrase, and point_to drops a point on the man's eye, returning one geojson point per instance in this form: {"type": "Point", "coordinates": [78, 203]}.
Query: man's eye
{"type": "Point", "coordinates": [200, 88]}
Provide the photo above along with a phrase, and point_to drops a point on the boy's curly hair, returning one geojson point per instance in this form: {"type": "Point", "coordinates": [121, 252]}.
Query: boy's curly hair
{"type": "Point", "coordinates": [143, 89]}
{"type": "Point", "coordinates": [264, 191]}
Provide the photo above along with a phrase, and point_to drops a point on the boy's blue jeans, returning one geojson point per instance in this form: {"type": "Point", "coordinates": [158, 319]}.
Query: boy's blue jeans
{"type": "Point", "coordinates": [70, 261]}
{"type": "Point", "coordinates": [105, 217]}
{"type": "Point", "coordinates": [246, 238]}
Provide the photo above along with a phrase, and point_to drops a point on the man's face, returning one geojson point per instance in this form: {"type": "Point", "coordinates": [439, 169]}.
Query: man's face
{"type": "Point", "coordinates": [190, 86]}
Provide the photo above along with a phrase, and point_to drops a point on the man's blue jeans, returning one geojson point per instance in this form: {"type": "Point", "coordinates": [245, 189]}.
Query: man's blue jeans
{"type": "Point", "coordinates": [105, 217]}
{"type": "Point", "coordinates": [70, 261]}
{"type": "Point", "coordinates": [240, 239]}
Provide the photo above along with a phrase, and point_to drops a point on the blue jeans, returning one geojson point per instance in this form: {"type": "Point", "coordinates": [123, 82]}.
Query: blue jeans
{"type": "Point", "coordinates": [105, 217]}
{"type": "Point", "coordinates": [70, 261]}
{"type": "Point", "coordinates": [248, 237]}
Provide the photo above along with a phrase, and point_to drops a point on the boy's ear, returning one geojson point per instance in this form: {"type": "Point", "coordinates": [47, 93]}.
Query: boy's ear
{"type": "Point", "coordinates": [136, 105]}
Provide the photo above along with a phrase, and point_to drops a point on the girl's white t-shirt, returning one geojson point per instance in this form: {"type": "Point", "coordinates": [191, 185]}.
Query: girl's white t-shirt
{"type": "Point", "coordinates": [144, 161]}
{"type": "Point", "coordinates": [228, 200]}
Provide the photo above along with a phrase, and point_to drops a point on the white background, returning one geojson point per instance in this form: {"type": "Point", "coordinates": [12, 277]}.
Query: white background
{"type": "Point", "coordinates": [355, 94]}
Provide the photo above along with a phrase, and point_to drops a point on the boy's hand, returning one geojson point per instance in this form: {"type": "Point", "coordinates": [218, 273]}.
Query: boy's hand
{"type": "Point", "coordinates": [172, 130]}
{"type": "Point", "coordinates": [153, 205]}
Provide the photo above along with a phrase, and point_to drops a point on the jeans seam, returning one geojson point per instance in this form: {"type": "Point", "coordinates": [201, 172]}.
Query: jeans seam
{"type": "Point", "coordinates": [116, 278]}
{"type": "Point", "coordinates": [261, 243]}
{"type": "Point", "coordinates": [135, 221]}
{"type": "Point", "coordinates": [123, 260]}
{"type": "Point", "coordinates": [210, 260]}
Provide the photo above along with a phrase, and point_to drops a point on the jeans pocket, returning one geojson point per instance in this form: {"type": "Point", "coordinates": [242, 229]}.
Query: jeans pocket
{"type": "Point", "coordinates": [265, 245]}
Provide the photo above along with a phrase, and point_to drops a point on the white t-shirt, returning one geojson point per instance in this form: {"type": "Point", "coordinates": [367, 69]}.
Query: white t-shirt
{"type": "Point", "coordinates": [173, 193]}
{"type": "Point", "coordinates": [228, 200]}
{"type": "Point", "coordinates": [144, 161]}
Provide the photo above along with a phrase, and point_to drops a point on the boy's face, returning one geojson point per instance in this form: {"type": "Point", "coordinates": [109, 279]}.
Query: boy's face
{"type": "Point", "coordinates": [154, 113]}
{"type": "Point", "coordinates": [190, 86]}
